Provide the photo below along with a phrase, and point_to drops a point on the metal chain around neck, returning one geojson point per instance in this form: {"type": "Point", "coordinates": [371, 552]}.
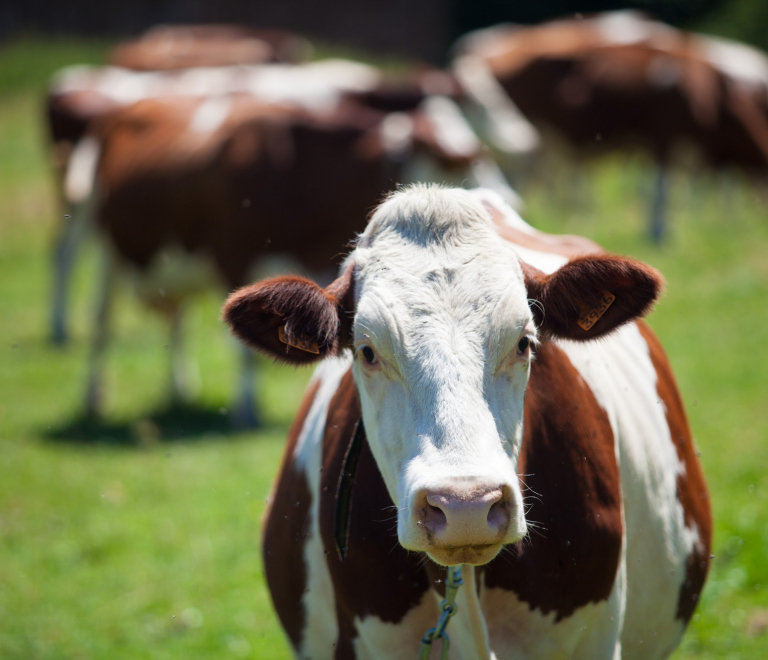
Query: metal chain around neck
{"type": "Point", "coordinates": [448, 608]}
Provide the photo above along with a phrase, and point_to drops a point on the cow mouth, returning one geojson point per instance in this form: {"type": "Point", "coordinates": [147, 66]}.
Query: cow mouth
{"type": "Point", "coordinates": [476, 555]}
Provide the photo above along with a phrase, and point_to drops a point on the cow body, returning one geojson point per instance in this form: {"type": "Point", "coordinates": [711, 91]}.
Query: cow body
{"type": "Point", "coordinates": [620, 79]}
{"type": "Point", "coordinates": [616, 507]}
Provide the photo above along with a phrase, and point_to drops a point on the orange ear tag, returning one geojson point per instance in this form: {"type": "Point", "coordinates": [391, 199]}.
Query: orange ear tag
{"type": "Point", "coordinates": [589, 317]}
{"type": "Point", "coordinates": [301, 343]}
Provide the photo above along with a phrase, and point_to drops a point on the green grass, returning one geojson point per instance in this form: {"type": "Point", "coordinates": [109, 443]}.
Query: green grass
{"type": "Point", "coordinates": [139, 538]}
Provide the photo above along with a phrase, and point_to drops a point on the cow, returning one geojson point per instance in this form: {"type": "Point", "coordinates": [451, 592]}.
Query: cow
{"type": "Point", "coordinates": [189, 193]}
{"type": "Point", "coordinates": [620, 79]}
{"type": "Point", "coordinates": [80, 95]}
{"type": "Point", "coordinates": [167, 47]}
{"type": "Point", "coordinates": [517, 418]}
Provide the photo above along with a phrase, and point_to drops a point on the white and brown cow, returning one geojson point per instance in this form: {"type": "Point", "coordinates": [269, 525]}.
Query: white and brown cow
{"type": "Point", "coordinates": [421, 100]}
{"type": "Point", "coordinates": [500, 434]}
{"type": "Point", "coordinates": [191, 193]}
{"type": "Point", "coordinates": [619, 80]}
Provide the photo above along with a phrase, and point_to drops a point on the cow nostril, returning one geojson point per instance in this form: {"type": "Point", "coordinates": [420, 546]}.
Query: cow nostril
{"type": "Point", "coordinates": [498, 516]}
{"type": "Point", "coordinates": [435, 517]}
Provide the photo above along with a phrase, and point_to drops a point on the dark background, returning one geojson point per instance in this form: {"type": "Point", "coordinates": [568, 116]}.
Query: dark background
{"type": "Point", "coordinates": [414, 28]}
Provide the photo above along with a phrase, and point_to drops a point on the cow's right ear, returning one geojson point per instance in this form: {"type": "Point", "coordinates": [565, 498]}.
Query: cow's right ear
{"type": "Point", "coordinates": [293, 319]}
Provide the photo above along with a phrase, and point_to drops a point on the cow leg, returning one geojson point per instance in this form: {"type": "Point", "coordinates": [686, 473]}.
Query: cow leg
{"type": "Point", "coordinates": [245, 414]}
{"type": "Point", "coordinates": [183, 383]}
{"type": "Point", "coordinates": [659, 204]}
{"type": "Point", "coordinates": [65, 250]}
{"type": "Point", "coordinates": [93, 395]}
{"type": "Point", "coordinates": [80, 194]}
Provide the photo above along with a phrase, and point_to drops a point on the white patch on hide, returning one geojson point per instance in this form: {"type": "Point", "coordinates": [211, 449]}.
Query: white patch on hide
{"type": "Point", "coordinates": [210, 115]}
{"type": "Point", "coordinates": [736, 60]}
{"type": "Point", "coordinates": [321, 628]}
{"type": "Point", "coordinates": [80, 177]}
{"type": "Point", "coordinates": [590, 633]}
{"type": "Point", "coordinates": [619, 372]}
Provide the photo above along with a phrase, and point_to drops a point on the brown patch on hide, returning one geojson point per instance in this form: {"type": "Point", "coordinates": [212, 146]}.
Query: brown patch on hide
{"type": "Point", "coordinates": [258, 186]}
{"type": "Point", "coordinates": [565, 245]}
{"type": "Point", "coordinates": [378, 577]}
{"type": "Point", "coordinates": [572, 485]}
{"type": "Point", "coordinates": [692, 490]}
{"type": "Point", "coordinates": [580, 284]}
{"type": "Point", "coordinates": [286, 527]}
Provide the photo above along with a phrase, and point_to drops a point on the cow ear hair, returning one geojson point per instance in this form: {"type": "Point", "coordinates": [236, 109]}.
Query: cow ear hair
{"type": "Point", "coordinates": [591, 296]}
{"type": "Point", "coordinates": [292, 319]}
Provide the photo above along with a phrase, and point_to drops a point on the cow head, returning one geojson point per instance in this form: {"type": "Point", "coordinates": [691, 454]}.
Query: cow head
{"type": "Point", "coordinates": [443, 320]}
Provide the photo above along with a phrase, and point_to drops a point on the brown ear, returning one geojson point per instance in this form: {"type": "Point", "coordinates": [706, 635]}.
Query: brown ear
{"type": "Point", "coordinates": [292, 318]}
{"type": "Point", "coordinates": [591, 296]}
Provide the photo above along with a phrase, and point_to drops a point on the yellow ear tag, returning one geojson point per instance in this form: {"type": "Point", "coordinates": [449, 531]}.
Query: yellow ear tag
{"type": "Point", "coordinates": [302, 344]}
{"type": "Point", "coordinates": [589, 317]}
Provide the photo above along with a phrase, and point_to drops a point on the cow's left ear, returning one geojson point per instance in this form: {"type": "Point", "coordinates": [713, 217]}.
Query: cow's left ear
{"type": "Point", "coordinates": [591, 296]}
{"type": "Point", "coordinates": [292, 318]}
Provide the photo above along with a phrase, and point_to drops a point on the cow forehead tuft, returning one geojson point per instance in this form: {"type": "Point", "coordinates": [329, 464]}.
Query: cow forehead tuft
{"type": "Point", "coordinates": [435, 248]}
{"type": "Point", "coordinates": [424, 229]}
{"type": "Point", "coordinates": [428, 213]}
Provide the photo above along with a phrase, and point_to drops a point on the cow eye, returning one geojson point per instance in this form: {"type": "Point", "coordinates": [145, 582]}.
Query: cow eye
{"type": "Point", "coordinates": [369, 355]}
{"type": "Point", "coordinates": [523, 345]}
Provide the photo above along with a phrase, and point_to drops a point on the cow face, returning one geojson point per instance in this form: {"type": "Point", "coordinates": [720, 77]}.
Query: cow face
{"type": "Point", "coordinates": [435, 307]}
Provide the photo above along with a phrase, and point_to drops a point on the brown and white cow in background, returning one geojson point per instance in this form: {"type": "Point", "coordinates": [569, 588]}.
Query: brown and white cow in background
{"type": "Point", "coordinates": [79, 96]}
{"type": "Point", "coordinates": [191, 193]}
{"type": "Point", "coordinates": [520, 419]}
{"type": "Point", "coordinates": [619, 80]}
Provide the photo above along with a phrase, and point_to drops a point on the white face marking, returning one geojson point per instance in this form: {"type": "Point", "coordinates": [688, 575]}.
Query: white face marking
{"type": "Point", "coordinates": [442, 306]}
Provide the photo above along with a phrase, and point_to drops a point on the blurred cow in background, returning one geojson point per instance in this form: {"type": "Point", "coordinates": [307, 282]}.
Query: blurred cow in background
{"type": "Point", "coordinates": [620, 79]}
{"type": "Point", "coordinates": [189, 192]}
{"type": "Point", "coordinates": [196, 56]}
{"type": "Point", "coordinates": [186, 46]}
{"type": "Point", "coordinates": [79, 95]}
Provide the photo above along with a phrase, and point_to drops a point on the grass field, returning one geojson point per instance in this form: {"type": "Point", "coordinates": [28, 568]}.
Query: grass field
{"type": "Point", "coordinates": [139, 538]}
